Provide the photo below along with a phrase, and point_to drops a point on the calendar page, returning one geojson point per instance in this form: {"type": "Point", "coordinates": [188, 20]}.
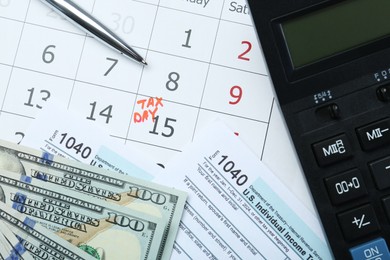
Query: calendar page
{"type": "Point", "coordinates": [204, 63]}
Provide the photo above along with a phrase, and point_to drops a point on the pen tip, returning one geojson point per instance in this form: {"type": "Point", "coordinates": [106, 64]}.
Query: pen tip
{"type": "Point", "coordinates": [144, 62]}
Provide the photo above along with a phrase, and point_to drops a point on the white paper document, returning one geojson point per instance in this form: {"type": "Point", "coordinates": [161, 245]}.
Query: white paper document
{"type": "Point", "coordinates": [237, 209]}
{"type": "Point", "coordinates": [60, 132]}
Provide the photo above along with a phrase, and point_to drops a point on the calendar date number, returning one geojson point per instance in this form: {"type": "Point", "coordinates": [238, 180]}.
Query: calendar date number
{"type": "Point", "coordinates": [243, 55]}
{"type": "Point", "coordinates": [44, 95]}
{"type": "Point", "coordinates": [236, 94]}
{"type": "Point", "coordinates": [168, 131]}
{"type": "Point", "coordinates": [48, 55]}
{"type": "Point", "coordinates": [112, 66]}
{"type": "Point", "coordinates": [105, 112]}
{"type": "Point", "coordinates": [20, 135]}
{"type": "Point", "coordinates": [187, 43]}
{"type": "Point", "coordinates": [5, 3]}
{"type": "Point", "coordinates": [124, 24]}
{"type": "Point", "coordinates": [173, 82]}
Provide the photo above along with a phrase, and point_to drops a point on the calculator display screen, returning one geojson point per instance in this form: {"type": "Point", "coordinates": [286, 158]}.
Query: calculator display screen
{"type": "Point", "coordinates": [335, 29]}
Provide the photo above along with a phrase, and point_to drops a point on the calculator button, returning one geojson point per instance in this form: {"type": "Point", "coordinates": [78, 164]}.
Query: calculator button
{"type": "Point", "coordinates": [380, 169]}
{"type": "Point", "coordinates": [386, 204]}
{"type": "Point", "coordinates": [374, 135]}
{"type": "Point", "coordinates": [332, 150]}
{"type": "Point", "coordinates": [345, 186]}
{"type": "Point", "coordinates": [328, 112]}
{"type": "Point", "coordinates": [358, 222]}
{"type": "Point", "coordinates": [383, 93]}
{"type": "Point", "coordinates": [374, 249]}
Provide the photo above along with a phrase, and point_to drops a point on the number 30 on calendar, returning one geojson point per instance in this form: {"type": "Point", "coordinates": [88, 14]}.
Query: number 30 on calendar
{"type": "Point", "coordinates": [5, 3]}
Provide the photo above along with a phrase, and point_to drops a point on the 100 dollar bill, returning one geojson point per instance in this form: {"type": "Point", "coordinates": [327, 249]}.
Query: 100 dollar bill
{"type": "Point", "coordinates": [145, 196]}
{"type": "Point", "coordinates": [6, 250]}
{"type": "Point", "coordinates": [103, 229]}
{"type": "Point", "coordinates": [36, 240]}
{"type": "Point", "coordinates": [11, 247]}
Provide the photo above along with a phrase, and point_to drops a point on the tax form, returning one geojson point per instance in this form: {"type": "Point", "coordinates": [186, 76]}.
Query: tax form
{"type": "Point", "coordinates": [237, 209]}
{"type": "Point", "coordinates": [79, 140]}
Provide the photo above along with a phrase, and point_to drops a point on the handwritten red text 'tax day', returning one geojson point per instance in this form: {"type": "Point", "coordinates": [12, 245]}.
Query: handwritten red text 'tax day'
{"type": "Point", "coordinates": [149, 107]}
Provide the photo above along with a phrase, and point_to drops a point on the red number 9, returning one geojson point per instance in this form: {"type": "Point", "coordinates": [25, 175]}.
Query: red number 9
{"type": "Point", "coordinates": [236, 93]}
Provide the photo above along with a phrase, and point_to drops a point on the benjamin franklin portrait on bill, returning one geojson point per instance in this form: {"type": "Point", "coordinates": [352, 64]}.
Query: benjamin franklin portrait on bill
{"type": "Point", "coordinates": [11, 163]}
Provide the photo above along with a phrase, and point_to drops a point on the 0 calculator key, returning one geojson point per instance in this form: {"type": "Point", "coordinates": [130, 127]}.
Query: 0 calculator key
{"type": "Point", "coordinates": [346, 186]}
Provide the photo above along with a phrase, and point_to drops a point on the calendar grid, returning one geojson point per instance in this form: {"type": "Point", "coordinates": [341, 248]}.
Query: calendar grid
{"type": "Point", "coordinates": [138, 47]}
{"type": "Point", "coordinates": [188, 12]}
{"type": "Point", "coordinates": [149, 50]}
{"type": "Point", "coordinates": [267, 131]}
{"type": "Point", "coordinates": [142, 95]}
{"type": "Point", "coordinates": [51, 28]}
{"type": "Point", "coordinates": [211, 63]}
{"type": "Point", "coordinates": [142, 71]}
{"type": "Point", "coordinates": [79, 62]}
{"type": "Point", "coordinates": [183, 116]}
{"type": "Point", "coordinates": [146, 143]}
{"type": "Point", "coordinates": [16, 114]}
{"type": "Point", "coordinates": [202, 109]}
{"type": "Point", "coordinates": [14, 59]}
{"type": "Point", "coordinates": [208, 70]}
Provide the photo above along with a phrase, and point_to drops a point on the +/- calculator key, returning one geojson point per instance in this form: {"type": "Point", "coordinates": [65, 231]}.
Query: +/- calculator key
{"type": "Point", "coordinates": [358, 222]}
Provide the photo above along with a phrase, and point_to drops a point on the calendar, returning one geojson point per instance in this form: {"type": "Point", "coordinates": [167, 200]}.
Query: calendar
{"type": "Point", "coordinates": [204, 60]}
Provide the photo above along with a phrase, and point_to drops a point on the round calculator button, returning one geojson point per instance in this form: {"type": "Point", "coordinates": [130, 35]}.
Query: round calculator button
{"type": "Point", "coordinates": [383, 93]}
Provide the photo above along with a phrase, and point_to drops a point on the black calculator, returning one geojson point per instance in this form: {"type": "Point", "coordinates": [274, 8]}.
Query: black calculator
{"type": "Point", "coordinates": [330, 66]}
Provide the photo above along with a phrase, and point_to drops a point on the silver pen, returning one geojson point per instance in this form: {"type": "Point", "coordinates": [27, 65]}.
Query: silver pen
{"type": "Point", "coordinates": [91, 25]}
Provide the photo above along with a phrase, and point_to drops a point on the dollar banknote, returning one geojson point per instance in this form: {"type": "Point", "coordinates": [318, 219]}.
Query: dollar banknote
{"type": "Point", "coordinates": [36, 240]}
{"type": "Point", "coordinates": [6, 250]}
{"type": "Point", "coordinates": [105, 230]}
{"type": "Point", "coordinates": [141, 195]}
{"type": "Point", "coordinates": [11, 246]}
